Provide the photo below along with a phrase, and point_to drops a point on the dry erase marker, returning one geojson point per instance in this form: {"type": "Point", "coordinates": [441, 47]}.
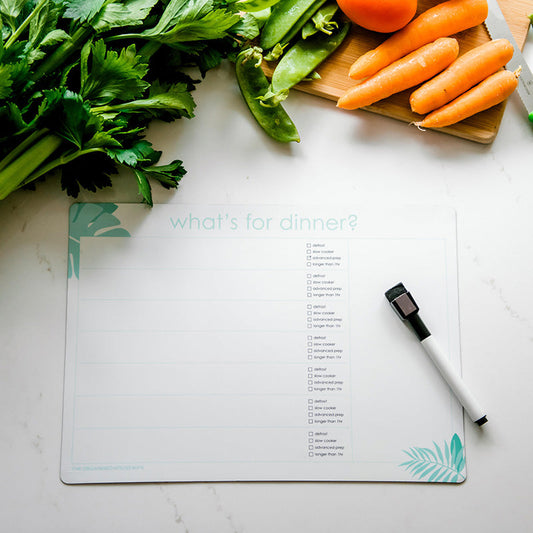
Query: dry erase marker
{"type": "Point", "coordinates": [406, 308]}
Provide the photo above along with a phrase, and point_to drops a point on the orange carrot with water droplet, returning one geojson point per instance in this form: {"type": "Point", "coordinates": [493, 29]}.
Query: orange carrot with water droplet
{"type": "Point", "coordinates": [465, 72]}
{"type": "Point", "coordinates": [443, 20]}
{"type": "Point", "coordinates": [490, 92]}
{"type": "Point", "coordinates": [415, 68]}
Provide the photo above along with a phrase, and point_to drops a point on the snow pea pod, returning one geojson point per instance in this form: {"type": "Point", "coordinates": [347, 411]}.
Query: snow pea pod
{"type": "Point", "coordinates": [253, 85]}
{"type": "Point", "coordinates": [304, 56]}
{"type": "Point", "coordinates": [254, 5]}
{"type": "Point", "coordinates": [285, 14]}
{"type": "Point", "coordinates": [300, 23]}
{"type": "Point", "coordinates": [261, 16]}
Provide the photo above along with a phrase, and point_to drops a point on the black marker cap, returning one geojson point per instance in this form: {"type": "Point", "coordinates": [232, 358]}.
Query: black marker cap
{"type": "Point", "coordinates": [481, 421]}
{"type": "Point", "coordinates": [402, 301]}
{"type": "Point", "coordinates": [407, 309]}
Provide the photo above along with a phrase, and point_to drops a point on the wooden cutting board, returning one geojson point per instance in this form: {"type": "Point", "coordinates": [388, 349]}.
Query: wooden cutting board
{"type": "Point", "coordinates": [481, 128]}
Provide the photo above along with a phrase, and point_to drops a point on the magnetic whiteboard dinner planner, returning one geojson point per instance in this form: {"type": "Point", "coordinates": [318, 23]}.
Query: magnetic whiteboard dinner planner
{"type": "Point", "coordinates": [219, 343]}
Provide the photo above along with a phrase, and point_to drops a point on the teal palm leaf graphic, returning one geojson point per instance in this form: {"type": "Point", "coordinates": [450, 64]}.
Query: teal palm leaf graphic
{"type": "Point", "coordinates": [445, 465]}
{"type": "Point", "coordinates": [90, 220]}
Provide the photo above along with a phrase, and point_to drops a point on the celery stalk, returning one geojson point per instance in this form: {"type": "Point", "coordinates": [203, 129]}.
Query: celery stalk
{"type": "Point", "coordinates": [63, 159]}
{"type": "Point", "coordinates": [14, 174]}
{"type": "Point", "coordinates": [54, 61]}
{"type": "Point", "coordinates": [20, 148]}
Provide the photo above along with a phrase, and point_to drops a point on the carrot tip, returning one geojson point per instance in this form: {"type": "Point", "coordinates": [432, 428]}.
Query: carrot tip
{"type": "Point", "coordinates": [417, 124]}
{"type": "Point", "coordinates": [341, 103]}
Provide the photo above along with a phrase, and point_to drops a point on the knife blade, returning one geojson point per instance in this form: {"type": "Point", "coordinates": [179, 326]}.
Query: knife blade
{"type": "Point", "coordinates": [499, 29]}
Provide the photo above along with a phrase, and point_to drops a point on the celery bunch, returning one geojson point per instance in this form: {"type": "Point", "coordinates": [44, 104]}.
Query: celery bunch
{"type": "Point", "coordinates": [80, 80]}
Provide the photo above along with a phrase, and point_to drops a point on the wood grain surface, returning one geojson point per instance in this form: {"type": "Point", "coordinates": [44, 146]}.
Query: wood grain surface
{"type": "Point", "coordinates": [334, 81]}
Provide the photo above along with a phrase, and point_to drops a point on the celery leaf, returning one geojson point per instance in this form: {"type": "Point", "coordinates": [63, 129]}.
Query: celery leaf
{"type": "Point", "coordinates": [140, 152]}
{"type": "Point", "coordinates": [168, 175]}
{"type": "Point", "coordinates": [193, 20]}
{"type": "Point", "coordinates": [83, 10]}
{"type": "Point", "coordinates": [91, 172]}
{"type": "Point", "coordinates": [144, 186]}
{"type": "Point", "coordinates": [115, 15]}
{"type": "Point", "coordinates": [165, 103]}
{"type": "Point", "coordinates": [6, 81]}
{"type": "Point", "coordinates": [114, 75]}
{"type": "Point", "coordinates": [11, 8]}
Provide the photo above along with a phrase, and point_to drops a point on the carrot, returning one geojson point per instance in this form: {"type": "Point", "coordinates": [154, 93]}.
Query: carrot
{"type": "Point", "coordinates": [491, 91]}
{"type": "Point", "coordinates": [443, 20]}
{"type": "Point", "coordinates": [465, 72]}
{"type": "Point", "coordinates": [415, 68]}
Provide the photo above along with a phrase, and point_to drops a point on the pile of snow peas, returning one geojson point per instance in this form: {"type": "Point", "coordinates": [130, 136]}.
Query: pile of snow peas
{"type": "Point", "coordinates": [299, 35]}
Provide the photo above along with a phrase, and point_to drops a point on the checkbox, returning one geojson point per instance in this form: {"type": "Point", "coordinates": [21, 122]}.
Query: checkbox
{"type": "Point", "coordinates": [311, 454]}
{"type": "Point", "coordinates": [309, 326]}
{"type": "Point", "coordinates": [310, 400]}
{"type": "Point", "coordinates": [308, 245]}
{"type": "Point", "coordinates": [308, 264]}
{"type": "Point", "coordinates": [309, 368]}
{"type": "Point", "coordinates": [308, 257]}
{"type": "Point", "coordinates": [311, 440]}
{"type": "Point", "coordinates": [309, 344]}
{"type": "Point", "coordinates": [310, 389]}
{"type": "Point", "coordinates": [309, 407]}
{"type": "Point", "coordinates": [309, 357]}
{"type": "Point", "coordinates": [309, 350]}
{"type": "Point", "coordinates": [310, 381]}
{"type": "Point", "coordinates": [311, 447]}
{"type": "Point", "coordinates": [309, 295]}
{"type": "Point", "coordinates": [309, 306]}
{"type": "Point", "coordinates": [309, 337]}
{"type": "Point", "coordinates": [310, 421]}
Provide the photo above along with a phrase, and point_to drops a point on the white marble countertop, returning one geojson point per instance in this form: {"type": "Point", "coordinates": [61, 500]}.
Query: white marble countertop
{"type": "Point", "coordinates": [343, 158]}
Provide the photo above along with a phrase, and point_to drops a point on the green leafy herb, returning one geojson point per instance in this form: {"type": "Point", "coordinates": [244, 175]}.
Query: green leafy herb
{"type": "Point", "coordinates": [80, 80]}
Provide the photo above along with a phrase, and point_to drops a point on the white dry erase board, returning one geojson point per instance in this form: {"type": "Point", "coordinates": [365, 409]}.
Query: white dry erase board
{"type": "Point", "coordinates": [219, 343]}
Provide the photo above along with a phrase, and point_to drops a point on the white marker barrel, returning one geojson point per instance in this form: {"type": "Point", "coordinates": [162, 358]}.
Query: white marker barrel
{"type": "Point", "coordinates": [454, 380]}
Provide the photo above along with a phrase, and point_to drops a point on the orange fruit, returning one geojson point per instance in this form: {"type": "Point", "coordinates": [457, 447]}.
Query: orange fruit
{"type": "Point", "coordinates": [384, 16]}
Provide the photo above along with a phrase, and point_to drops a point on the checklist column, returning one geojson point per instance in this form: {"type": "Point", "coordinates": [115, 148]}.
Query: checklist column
{"type": "Point", "coordinates": [326, 351]}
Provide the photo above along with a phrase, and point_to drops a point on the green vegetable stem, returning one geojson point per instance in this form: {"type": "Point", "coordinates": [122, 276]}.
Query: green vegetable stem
{"type": "Point", "coordinates": [322, 21]}
{"type": "Point", "coordinates": [254, 84]}
{"type": "Point", "coordinates": [80, 81]}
